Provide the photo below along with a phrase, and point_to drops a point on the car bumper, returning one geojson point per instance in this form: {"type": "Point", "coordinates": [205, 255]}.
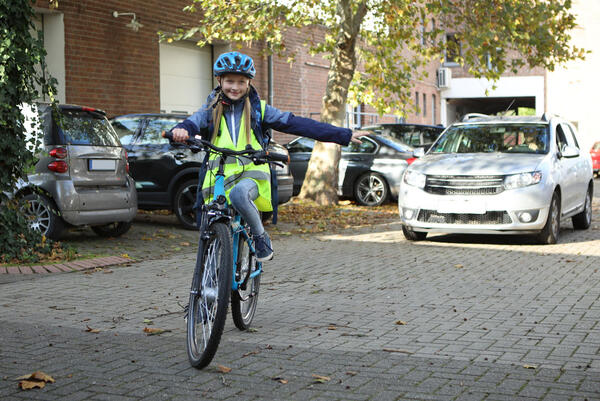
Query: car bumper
{"type": "Point", "coordinates": [285, 188]}
{"type": "Point", "coordinates": [503, 213]}
{"type": "Point", "coordinates": [89, 205]}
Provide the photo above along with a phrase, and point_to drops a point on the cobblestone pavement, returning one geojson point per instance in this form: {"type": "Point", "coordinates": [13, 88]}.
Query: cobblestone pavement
{"type": "Point", "coordinates": [453, 317]}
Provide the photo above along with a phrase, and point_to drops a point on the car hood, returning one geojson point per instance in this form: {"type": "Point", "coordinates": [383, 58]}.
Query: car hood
{"type": "Point", "coordinates": [477, 163]}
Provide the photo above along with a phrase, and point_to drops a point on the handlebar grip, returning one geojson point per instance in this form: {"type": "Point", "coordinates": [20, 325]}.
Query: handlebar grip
{"type": "Point", "coordinates": [278, 157]}
{"type": "Point", "coordinates": [167, 134]}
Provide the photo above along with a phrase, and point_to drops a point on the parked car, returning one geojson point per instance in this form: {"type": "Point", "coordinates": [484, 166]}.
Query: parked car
{"type": "Point", "coordinates": [165, 174]}
{"type": "Point", "coordinates": [369, 172]}
{"type": "Point", "coordinates": [499, 175]}
{"type": "Point", "coordinates": [595, 154]}
{"type": "Point", "coordinates": [415, 135]}
{"type": "Point", "coordinates": [81, 176]}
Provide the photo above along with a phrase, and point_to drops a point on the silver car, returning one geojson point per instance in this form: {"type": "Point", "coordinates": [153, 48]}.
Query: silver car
{"type": "Point", "coordinates": [499, 175]}
{"type": "Point", "coordinates": [81, 176]}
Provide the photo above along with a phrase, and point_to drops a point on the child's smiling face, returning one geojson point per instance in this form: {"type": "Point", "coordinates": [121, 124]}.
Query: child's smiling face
{"type": "Point", "coordinates": [234, 86]}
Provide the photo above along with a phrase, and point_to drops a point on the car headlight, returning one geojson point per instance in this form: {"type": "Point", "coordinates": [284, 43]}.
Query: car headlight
{"type": "Point", "coordinates": [415, 178]}
{"type": "Point", "coordinates": [522, 180]}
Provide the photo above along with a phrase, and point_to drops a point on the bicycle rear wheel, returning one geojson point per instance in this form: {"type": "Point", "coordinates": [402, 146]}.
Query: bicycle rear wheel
{"type": "Point", "coordinates": [209, 297]}
{"type": "Point", "coordinates": [245, 298]}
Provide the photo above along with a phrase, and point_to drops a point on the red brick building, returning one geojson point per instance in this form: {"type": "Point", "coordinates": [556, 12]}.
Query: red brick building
{"type": "Point", "coordinates": [100, 59]}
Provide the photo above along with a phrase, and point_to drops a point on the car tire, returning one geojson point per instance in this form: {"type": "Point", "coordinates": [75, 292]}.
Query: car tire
{"type": "Point", "coordinates": [183, 204]}
{"type": "Point", "coordinates": [413, 235]}
{"type": "Point", "coordinates": [371, 189]}
{"type": "Point", "coordinates": [265, 216]}
{"type": "Point", "coordinates": [112, 229]}
{"type": "Point", "coordinates": [43, 215]}
{"type": "Point", "coordinates": [583, 220]}
{"type": "Point", "coordinates": [550, 232]}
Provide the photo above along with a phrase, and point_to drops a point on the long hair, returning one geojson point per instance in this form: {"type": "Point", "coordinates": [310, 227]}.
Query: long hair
{"type": "Point", "coordinates": [217, 115]}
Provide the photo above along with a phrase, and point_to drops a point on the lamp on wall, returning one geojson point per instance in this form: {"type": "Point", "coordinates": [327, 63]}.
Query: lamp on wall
{"type": "Point", "coordinates": [133, 24]}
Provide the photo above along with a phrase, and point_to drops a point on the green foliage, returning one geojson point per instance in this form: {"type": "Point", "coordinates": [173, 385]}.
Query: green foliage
{"type": "Point", "coordinates": [21, 82]}
{"type": "Point", "coordinates": [395, 37]}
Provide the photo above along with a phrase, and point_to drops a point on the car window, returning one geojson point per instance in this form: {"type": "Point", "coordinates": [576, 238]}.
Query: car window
{"type": "Point", "coordinates": [153, 133]}
{"type": "Point", "coordinates": [126, 128]}
{"type": "Point", "coordinates": [366, 146]}
{"type": "Point", "coordinates": [82, 127]}
{"type": "Point", "coordinates": [430, 134]}
{"type": "Point", "coordinates": [506, 138]}
{"type": "Point", "coordinates": [561, 138]}
{"type": "Point", "coordinates": [301, 145]}
{"type": "Point", "coordinates": [571, 137]}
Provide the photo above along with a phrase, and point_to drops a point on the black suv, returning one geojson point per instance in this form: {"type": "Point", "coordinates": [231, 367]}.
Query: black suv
{"type": "Point", "coordinates": [165, 174]}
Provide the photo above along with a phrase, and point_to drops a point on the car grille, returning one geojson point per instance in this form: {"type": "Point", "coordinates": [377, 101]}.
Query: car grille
{"type": "Point", "coordinates": [464, 184]}
{"type": "Point", "coordinates": [495, 217]}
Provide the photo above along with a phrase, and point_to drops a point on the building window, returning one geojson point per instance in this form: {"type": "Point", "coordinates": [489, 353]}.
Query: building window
{"type": "Point", "coordinates": [433, 109]}
{"type": "Point", "coordinates": [453, 49]}
{"type": "Point", "coordinates": [424, 105]}
{"type": "Point", "coordinates": [417, 100]}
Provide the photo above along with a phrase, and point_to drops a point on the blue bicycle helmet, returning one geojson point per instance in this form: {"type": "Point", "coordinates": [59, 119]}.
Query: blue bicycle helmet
{"type": "Point", "coordinates": [236, 63]}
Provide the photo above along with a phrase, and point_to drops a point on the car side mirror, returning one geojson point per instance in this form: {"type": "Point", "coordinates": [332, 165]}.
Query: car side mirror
{"type": "Point", "coordinates": [419, 152]}
{"type": "Point", "coordinates": [569, 151]}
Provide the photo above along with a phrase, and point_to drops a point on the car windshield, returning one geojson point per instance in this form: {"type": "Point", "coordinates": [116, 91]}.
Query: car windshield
{"type": "Point", "coordinates": [486, 138]}
{"type": "Point", "coordinates": [81, 127]}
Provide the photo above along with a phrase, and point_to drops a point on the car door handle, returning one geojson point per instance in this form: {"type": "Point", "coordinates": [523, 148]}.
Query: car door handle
{"type": "Point", "coordinates": [179, 155]}
{"type": "Point", "coordinates": [355, 159]}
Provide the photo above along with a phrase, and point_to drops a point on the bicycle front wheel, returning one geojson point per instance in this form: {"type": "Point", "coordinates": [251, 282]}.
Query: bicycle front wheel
{"type": "Point", "coordinates": [245, 299]}
{"type": "Point", "coordinates": [209, 297]}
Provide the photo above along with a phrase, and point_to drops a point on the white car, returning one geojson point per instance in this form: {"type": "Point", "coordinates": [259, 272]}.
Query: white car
{"type": "Point", "coordinates": [499, 175]}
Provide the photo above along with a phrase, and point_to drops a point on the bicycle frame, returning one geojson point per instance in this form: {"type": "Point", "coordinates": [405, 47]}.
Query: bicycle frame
{"type": "Point", "coordinates": [237, 229]}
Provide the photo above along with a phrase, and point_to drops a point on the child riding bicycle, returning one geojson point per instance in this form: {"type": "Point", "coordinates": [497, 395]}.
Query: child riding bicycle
{"type": "Point", "coordinates": [234, 117]}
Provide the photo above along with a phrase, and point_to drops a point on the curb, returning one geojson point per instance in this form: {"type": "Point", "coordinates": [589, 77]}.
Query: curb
{"type": "Point", "coordinates": [67, 266]}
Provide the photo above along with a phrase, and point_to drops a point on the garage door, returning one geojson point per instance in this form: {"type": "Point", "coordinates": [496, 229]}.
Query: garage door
{"type": "Point", "coordinates": [185, 77]}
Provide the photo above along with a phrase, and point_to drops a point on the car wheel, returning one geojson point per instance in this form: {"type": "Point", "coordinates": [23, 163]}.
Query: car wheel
{"type": "Point", "coordinates": [42, 214]}
{"type": "Point", "coordinates": [413, 235]}
{"type": "Point", "coordinates": [265, 216]}
{"type": "Point", "coordinates": [551, 230]}
{"type": "Point", "coordinates": [113, 229]}
{"type": "Point", "coordinates": [583, 220]}
{"type": "Point", "coordinates": [185, 199]}
{"type": "Point", "coordinates": [371, 189]}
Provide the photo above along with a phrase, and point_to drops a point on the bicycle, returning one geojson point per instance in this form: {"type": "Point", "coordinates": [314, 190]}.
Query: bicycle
{"type": "Point", "coordinates": [224, 238]}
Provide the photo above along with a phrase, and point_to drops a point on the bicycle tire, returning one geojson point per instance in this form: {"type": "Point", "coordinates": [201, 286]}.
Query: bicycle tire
{"type": "Point", "coordinates": [244, 300]}
{"type": "Point", "coordinates": [208, 306]}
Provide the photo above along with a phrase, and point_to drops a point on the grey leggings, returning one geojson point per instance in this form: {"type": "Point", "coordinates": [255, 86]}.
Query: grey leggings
{"type": "Point", "coordinates": [242, 198]}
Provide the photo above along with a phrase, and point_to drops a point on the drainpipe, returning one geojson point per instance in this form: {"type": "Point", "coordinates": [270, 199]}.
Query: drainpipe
{"type": "Point", "coordinates": [270, 79]}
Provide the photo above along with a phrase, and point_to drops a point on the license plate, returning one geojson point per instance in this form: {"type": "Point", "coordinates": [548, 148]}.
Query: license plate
{"type": "Point", "coordinates": [102, 165]}
{"type": "Point", "coordinates": [463, 206]}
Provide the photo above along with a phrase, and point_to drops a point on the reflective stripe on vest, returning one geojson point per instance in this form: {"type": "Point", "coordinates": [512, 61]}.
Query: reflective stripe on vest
{"type": "Point", "coordinates": [237, 169]}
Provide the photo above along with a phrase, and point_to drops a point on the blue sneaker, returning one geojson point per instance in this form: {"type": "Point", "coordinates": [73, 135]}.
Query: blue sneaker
{"type": "Point", "coordinates": [264, 249]}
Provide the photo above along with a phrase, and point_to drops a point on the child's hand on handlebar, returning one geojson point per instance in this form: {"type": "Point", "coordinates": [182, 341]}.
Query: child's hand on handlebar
{"type": "Point", "coordinates": [180, 135]}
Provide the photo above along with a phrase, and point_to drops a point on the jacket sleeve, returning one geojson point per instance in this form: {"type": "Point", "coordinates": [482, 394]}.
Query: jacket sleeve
{"type": "Point", "coordinates": [197, 122]}
{"type": "Point", "coordinates": [289, 123]}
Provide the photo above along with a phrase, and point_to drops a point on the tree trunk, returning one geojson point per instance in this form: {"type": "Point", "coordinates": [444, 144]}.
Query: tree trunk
{"type": "Point", "coordinates": [321, 180]}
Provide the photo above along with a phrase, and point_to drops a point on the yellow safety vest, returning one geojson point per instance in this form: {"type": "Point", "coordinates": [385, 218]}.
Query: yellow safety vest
{"type": "Point", "coordinates": [238, 168]}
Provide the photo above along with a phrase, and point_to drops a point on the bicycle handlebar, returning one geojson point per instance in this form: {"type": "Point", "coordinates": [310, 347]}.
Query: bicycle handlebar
{"type": "Point", "coordinates": [252, 153]}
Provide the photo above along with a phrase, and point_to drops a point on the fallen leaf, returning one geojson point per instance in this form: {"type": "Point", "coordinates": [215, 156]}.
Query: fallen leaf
{"type": "Point", "coordinates": [184, 243]}
{"type": "Point", "coordinates": [148, 321]}
{"type": "Point", "coordinates": [37, 375]}
{"type": "Point", "coordinates": [331, 328]}
{"type": "Point", "coordinates": [321, 379]}
{"type": "Point", "coordinates": [252, 330]}
{"type": "Point", "coordinates": [530, 366]}
{"type": "Point", "coordinates": [351, 373]}
{"type": "Point", "coordinates": [250, 353]}
{"type": "Point", "coordinates": [124, 255]}
{"type": "Point", "coordinates": [90, 330]}
{"type": "Point", "coordinates": [151, 331]}
{"type": "Point", "coordinates": [401, 351]}
{"type": "Point", "coordinates": [459, 266]}
{"type": "Point", "coordinates": [28, 385]}
{"type": "Point", "coordinates": [280, 380]}
{"type": "Point", "coordinates": [223, 369]}
{"type": "Point", "coordinates": [400, 322]}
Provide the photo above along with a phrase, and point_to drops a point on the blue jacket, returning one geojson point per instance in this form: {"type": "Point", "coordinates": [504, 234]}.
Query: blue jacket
{"type": "Point", "coordinates": [200, 123]}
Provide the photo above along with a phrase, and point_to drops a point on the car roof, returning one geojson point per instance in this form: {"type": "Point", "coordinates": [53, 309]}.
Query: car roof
{"type": "Point", "coordinates": [152, 115]}
{"type": "Point", "coordinates": [482, 118]}
{"type": "Point", "coordinates": [381, 125]}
